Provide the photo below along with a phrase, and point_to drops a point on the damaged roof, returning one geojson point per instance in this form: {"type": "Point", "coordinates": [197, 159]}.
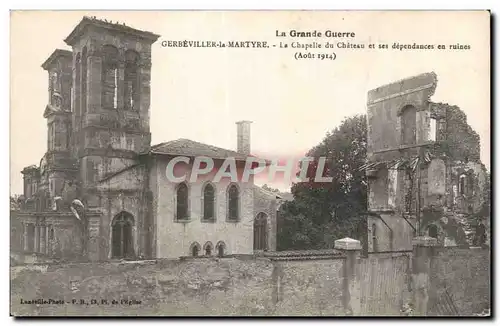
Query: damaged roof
{"type": "Point", "coordinates": [187, 147]}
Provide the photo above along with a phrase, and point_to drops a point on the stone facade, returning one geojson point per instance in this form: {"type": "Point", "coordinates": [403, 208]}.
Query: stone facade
{"type": "Point", "coordinates": [425, 281]}
{"type": "Point", "coordinates": [423, 165]}
{"type": "Point", "coordinates": [100, 192]}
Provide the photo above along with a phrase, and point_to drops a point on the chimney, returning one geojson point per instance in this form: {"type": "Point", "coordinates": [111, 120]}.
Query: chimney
{"type": "Point", "coordinates": [243, 137]}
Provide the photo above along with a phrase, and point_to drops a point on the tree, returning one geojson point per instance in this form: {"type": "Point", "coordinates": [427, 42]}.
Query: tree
{"type": "Point", "coordinates": [323, 212]}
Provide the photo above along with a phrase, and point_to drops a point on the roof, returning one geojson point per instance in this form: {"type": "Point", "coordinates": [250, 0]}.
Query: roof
{"type": "Point", "coordinates": [56, 54]}
{"type": "Point", "coordinates": [187, 147]}
{"type": "Point", "coordinates": [117, 27]}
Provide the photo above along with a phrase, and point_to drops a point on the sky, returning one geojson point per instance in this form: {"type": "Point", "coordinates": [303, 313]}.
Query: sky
{"type": "Point", "coordinates": [199, 93]}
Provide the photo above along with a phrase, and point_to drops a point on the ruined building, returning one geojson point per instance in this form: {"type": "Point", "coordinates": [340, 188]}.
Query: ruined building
{"type": "Point", "coordinates": [100, 191]}
{"type": "Point", "coordinates": [423, 158]}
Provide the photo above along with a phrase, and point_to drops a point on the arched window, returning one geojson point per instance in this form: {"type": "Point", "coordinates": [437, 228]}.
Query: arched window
{"type": "Point", "coordinates": [260, 232]}
{"type": "Point", "coordinates": [131, 80]}
{"type": "Point", "coordinates": [409, 126]}
{"type": "Point", "coordinates": [208, 247]}
{"type": "Point", "coordinates": [433, 231]}
{"type": "Point", "coordinates": [195, 249]}
{"type": "Point", "coordinates": [233, 203]}
{"type": "Point", "coordinates": [374, 237]}
{"type": "Point", "coordinates": [221, 248]}
{"type": "Point", "coordinates": [110, 77]}
{"type": "Point", "coordinates": [122, 236]}
{"type": "Point", "coordinates": [182, 202]}
{"type": "Point", "coordinates": [209, 202]}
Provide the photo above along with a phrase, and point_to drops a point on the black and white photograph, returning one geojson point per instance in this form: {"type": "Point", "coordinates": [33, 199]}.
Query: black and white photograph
{"type": "Point", "coordinates": [250, 163]}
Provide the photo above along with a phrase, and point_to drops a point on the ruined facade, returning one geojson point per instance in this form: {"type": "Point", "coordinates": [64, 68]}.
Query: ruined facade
{"type": "Point", "coordinates": [424, 173]}
{"type": "Point", "coordinates": [100, 191]}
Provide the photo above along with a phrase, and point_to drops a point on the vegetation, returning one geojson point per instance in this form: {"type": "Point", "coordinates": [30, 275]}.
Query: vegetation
{"type": "Point", "coordinates": [324, 212]}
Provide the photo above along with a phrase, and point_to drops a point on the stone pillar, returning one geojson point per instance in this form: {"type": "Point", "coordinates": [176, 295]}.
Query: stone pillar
{"type": "Point", "coordinates": [423, 291]}
{"type": "Point", "coordinates": [121, 86]}
{"type": "Point", "coordinates": [94, 82]}
{"type": "Point", "coordinates": [145, 89]}
{"type": "Point", "coordinates": [43, 239]}
{"type": "Point", "coordinates": [351, 291]}
{"type": "Point", "coordinates": [47, 240]}
{"type": "Point", "coordinates": [93, 248]}
{"type": "Point", "coordinates": [37, 238]}
{"type": "Point", "coordinates": [25, 236]}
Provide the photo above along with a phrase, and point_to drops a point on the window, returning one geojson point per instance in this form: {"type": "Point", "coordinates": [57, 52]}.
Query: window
{"type": "Point", "coordinates": [208, 248]}
{"type": "Point", "coordinates": [110, 77]}
{"type": "Point", "coordinates": [433, 232]}
{"type": "Point", "coordinates": [260, 232]}
{"type": "Point", "coordinates": [374, 237]}
{"type": "Point", "coordinates": [470, 185]}
{"type": "Point", "coordinates": [409, 126]}
{"type": "Point", "coordinates": [195, 249]}
{"type": "Point", "coordinates": [221, 248]}
{"type": "Point", "coordinates": [233, 202]}
{"type": "Point", "coordinates": [461, 184]}
{"type": "Point", "coordinates": [115, 88]}
{"type": "Point", "coordinates": [209, 202]}
{"type": "Point", "coordinates": [131, 80]}
{"type": "Point", "coordinates": [182, 196]}
{"type": "Point", "coordinates": [121, 237]}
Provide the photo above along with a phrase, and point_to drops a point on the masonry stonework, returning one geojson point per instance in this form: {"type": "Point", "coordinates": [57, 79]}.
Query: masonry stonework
{"type": "Point", "coordinates": [100, 192]}
{"type": "Point", "coordinates": [423, 167]}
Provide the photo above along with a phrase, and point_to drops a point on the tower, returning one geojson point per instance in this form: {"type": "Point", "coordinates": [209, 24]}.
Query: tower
{"type": "Point", "coordinates": [56, 163]}
{"type": "Point", "coordinates": [111, 98]}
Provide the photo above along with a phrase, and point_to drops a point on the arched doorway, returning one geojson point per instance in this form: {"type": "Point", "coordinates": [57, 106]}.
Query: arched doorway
{"type": "Point", "coordinates": [260, 232]}
{"type": "Point", "coordinates": [221, 249]}
{"type": "Point", "coordinates": [122, 236]}
{"type": "Point", "coordinates": [433, 231]}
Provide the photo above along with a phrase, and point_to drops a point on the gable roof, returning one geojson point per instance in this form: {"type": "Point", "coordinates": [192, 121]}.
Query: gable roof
{"type": "Point", "coordinates": [187, 147]}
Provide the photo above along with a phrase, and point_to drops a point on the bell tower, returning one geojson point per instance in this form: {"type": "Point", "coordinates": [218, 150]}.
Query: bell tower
{"type": "Point", "coordinates": [111, 97]}
{"type": "Point", "coordinates": [56, 163]}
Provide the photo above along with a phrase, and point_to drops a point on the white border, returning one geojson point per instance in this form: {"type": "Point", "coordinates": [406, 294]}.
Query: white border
{"type": "Point", "coordinates": [200, 4]}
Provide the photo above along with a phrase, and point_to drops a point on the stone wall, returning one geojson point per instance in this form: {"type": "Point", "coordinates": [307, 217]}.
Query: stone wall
{"type": "Point", "coordinates": [174, 237]}
{"type": "Point", "coordinates": [463, 275]}
{"type": "Point", "coordinates": [449, 281]}
{"type": "Point", "coordinates": [428, 280]}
